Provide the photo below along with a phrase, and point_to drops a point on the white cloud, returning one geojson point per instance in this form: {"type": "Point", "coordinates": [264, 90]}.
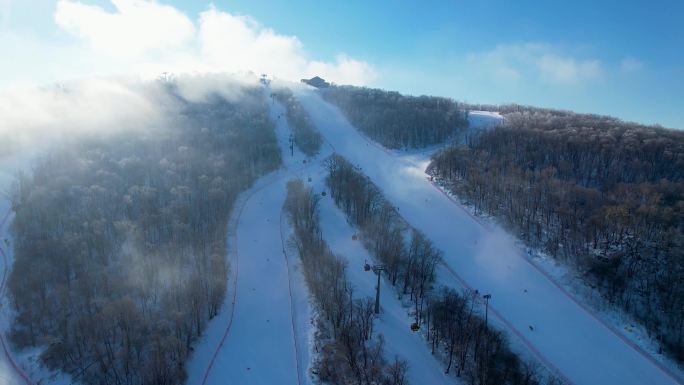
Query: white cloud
{"type": "Point", "coordinates": [241, 43]}
{"type": "Point", "coordinates": [344, 67]}
{"type": "Point", "coordinates": [535, 62]}
{"type": "Point", "coordinates": [40, 116]}
{"type": "Point", "coordinates": [36, 118]}
{"type": "Point", "coordinates": [138, 27]}
{"type": "Point", "coordinates": [113, 50]}
{"type": "Point", "coordinates": [146, 37]}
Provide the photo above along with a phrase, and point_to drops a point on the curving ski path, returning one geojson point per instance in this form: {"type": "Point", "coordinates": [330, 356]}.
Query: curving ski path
{"type": "Point", "coordinates": [256, 339]}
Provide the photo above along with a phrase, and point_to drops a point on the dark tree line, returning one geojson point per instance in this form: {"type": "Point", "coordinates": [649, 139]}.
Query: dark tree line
{"type": "Point", "coordinates": [476, 352]}
{"type": "Point", "coordinates": [454, 326]}
{"type": "Point", "coordinates": [399, 121]}
{"type": "Point", "coordinates": [305, 135]}
{"type": "Point", "coordinates": [604, 195]}
{"type": "Point", "coordinates": [351, 355]}
{"type": "Point", "coordinates": [120, 243]}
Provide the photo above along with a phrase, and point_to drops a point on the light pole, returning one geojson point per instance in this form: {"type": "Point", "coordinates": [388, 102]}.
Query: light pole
{"type": "Point", "coordinates": [484, 371]}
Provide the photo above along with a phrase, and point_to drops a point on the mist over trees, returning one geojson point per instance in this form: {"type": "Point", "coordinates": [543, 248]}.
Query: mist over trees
{"type": "Point", "coordinates": [120, 243]}
{"type": "Point", "coordinates": [604, 195]}
{"type": "Point", "coordinates": [399, 121]}
{"type": "Point", "coordinates": [455, 327]}
{"type": "Point", "coordinates": [305, 135]}
{"type": "Point", "coordinates": [350, 355]}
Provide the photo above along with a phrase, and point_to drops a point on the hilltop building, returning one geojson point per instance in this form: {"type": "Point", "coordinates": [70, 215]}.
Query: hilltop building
{"type": "Point", "coordinates": [317, 82]}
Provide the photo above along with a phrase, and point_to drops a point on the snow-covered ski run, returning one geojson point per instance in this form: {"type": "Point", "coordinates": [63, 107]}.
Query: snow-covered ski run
{"type": "Point", "coordinates": [569, 337]}
{"type": "Point", "coordinates": [264, 333]}
{"type": "Point", "coordinates": [258, 337]}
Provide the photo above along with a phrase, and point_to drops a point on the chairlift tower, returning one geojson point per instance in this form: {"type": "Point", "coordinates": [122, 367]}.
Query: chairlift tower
{"type": "Point", "coordinates": [377, 269]}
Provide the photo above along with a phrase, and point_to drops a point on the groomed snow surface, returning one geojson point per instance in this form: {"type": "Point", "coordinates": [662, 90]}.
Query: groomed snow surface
{"type": "Point", "coordinates": [484, 119]}
{"type": "Point", "coordinates": [261, 335]}
{"type": "Point", "coordinates": [560, 331]}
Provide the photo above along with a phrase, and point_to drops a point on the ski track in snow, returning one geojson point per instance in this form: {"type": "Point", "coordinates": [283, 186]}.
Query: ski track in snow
{"type": "Point", "coordinates": [292, 303]}
{"type": "Point", "coordinates": [236, 279]}
{"type": "Point", "coordinates": [263, 340]}
{"type": "Point", "coordinates": [568, 336]}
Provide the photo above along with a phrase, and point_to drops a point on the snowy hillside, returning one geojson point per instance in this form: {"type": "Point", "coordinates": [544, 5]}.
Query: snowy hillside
{"type": "Point", "coordinates": [560, 331]}
{"type": "Point", "coordinates": [265, 331]}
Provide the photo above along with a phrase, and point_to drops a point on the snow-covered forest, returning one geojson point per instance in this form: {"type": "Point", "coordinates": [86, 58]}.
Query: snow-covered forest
{"type": "Point", "coordinates": [602, 195]}
{"type": "Point", "coordinates": [473, 349]}
{"type": "Point", "coordinates": [349, 353]}
{"type": "Point", "coordinates": [399, 121]}
{"type": "Point", "coordinates": [304, 134]}
{"type": "Point", "coordinates": [120, 243]}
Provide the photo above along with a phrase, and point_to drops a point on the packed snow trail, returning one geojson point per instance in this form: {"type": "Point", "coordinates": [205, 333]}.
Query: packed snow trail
{"type": "Point", "coordinates": [255, 339]}
{"type": "Point", "coordinates": [582, 348]}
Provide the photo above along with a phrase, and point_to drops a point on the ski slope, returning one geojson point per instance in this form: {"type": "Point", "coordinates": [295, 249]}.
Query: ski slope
{"type": "Point", "coordinates": [262, 333]}
{"type": "Point", "coordinates": [556, 328]}
{"type": "Point", "coordinates": [484, 119]}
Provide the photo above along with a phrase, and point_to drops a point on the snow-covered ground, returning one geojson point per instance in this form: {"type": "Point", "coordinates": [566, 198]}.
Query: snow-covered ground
{"type": "Point", "coordinates": [540, 312]}
{"type": "Point", "coordinates": [261, 335]}
{"type": "Point", "coordinates": [484, 119]}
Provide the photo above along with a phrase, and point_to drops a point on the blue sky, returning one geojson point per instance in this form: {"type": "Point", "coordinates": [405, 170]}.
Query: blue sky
{"type": "Point", "coordinates": [623, 58]}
